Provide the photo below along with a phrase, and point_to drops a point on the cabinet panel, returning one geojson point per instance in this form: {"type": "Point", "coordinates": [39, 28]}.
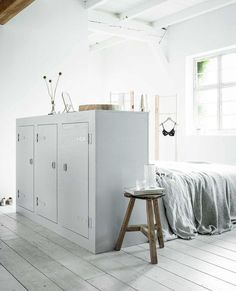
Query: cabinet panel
{"type": "Point", "coordinates": [73, 177]}
{"type": "Point", "coordinates": [46, 171]}
{"type": "Point", "coordinates": [25, 167]}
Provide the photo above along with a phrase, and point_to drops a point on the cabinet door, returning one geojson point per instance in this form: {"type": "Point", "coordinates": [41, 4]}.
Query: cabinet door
{"type": "Point", "coordinates": [46, 171]}
{"type": "Point", "coordinates": [73, 178]}
{"type": "Point", "coordinates": [25, 167]}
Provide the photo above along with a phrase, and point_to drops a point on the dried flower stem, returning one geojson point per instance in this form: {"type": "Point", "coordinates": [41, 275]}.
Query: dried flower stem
{"type": "Point", "coordinates": [55, 90]}
{"type": "Point", "coordinates": [49, 85]}
{"type": "Point", "coordinates": [48, 88]}
{"type": "Point", "coordinates": [52, 96]}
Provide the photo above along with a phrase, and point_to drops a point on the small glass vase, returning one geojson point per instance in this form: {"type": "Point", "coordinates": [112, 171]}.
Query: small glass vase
{"type": "Point", "coordinates": [150, 176]}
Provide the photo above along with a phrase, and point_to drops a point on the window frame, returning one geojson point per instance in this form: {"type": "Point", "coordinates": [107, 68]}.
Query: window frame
{"type": "Point", "coordinates": [218, 86]}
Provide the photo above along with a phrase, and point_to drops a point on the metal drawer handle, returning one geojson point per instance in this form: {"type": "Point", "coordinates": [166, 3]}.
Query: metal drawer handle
{"type": "Point", "coordinates": [65, 167]}
{"type": "Point", "coordinates": [54, 165]}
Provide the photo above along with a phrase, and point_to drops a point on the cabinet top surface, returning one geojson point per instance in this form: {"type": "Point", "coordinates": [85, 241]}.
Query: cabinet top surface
{"type": "Point", "coordinates": [82, 114]}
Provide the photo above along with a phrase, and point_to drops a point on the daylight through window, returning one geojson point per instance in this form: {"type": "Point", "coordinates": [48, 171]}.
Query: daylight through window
{"type": "Point", "coordinates": [215, 92]}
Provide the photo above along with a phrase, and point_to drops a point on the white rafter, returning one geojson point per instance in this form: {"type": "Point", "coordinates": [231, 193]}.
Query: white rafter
{"type": "Point", "coordinates": [161, 59]}
{"type": "Point", "coordinates": [110, 42]}
{"type": "Point", "coordinates": [103, 16]}
{"type": "Point", "coordinates": [91, 4]}
{"type": "Point", "coordinates": [119, 31]}
{"type": "Point", "coordinates": [192, 12]}
{"type": "Point", "coordinates": [111, 24]}
{"type": "Point", "coordinates": [140, 9]}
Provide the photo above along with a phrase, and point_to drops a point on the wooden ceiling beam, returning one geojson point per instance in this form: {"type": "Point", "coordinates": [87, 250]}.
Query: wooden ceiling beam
{"type": "Point", "coordinates": [10, 8]}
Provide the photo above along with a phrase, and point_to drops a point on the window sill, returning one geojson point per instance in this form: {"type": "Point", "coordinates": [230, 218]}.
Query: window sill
{"type": "Point", "coordinates": [212, 133]}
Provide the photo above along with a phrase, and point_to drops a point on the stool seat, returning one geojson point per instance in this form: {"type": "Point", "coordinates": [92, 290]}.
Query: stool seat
{"type": "Point", "coordinates": [144, 196]}
{"type": "Point", "coordinates": [146, 191]}
{"type": "Point", "coordinates": [148, 229]}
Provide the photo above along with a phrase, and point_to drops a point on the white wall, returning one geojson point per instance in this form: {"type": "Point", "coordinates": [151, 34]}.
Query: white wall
{"type": "Point", "coordinates": [96, 78]}
{"type": "Point", "coordinates": [45, 38]}
{"type": "Point", "coordinates": [208, 32]}
{"type": "Point", "coordinates": [131, 65]}
{"type": "Point", "coordinates": [134, 65]}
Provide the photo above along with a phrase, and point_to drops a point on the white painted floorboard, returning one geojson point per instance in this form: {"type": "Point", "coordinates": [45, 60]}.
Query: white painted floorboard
{"type": "Point", "coordinates": [35, 258]}
{"type": "Point", "coordinates": [8, 282]}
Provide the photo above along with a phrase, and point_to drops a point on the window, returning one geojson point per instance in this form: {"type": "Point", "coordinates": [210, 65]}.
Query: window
{"type": "Point", "coordinates": [215, 92]}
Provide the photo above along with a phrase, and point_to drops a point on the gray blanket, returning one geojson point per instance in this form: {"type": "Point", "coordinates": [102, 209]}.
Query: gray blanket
{"type": "Point", "coordinates": [200, 198]}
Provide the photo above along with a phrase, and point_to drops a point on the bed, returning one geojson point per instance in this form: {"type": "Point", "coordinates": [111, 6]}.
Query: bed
{"type": "Point", "coordinates": [200, 198]}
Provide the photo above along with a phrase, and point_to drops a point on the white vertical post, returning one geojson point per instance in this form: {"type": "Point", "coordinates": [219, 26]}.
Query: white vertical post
{"type": "Point", "coordinates": [157, 121]}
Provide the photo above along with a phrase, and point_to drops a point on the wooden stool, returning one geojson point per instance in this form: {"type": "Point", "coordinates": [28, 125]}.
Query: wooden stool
{"type": "Point", "coordinates": [149, 229]}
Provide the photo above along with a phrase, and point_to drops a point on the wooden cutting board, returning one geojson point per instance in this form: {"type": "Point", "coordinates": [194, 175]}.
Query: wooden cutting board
{"type": "Point", "coordinates": [98, 107]}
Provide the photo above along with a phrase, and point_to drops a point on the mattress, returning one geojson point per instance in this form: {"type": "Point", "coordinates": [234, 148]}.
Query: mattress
{"type": "Point", "coordinates": [200, 198]}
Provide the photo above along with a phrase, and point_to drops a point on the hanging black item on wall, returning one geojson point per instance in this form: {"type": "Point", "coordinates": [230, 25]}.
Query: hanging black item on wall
{"type": "Point", "coordinates": [172, 131]}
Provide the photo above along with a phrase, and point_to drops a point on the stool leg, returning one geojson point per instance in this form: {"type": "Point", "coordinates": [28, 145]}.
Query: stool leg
{"type": "Point", "coordinates": [151, 232]}
{"type": "Point", "coordinates": [125, 224]}
{"type": "Point", "coordinates": [158, 223]}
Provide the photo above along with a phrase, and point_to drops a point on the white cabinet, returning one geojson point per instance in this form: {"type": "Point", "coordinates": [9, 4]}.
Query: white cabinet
{"type": "Point", "coordinates": [25, 167]}
{"type": "Point", "coordinates": [46, 171]}
{"type": "Point", "coordinates": [72, 170]}
{"type": "Point", "coordinates": [73, 177]}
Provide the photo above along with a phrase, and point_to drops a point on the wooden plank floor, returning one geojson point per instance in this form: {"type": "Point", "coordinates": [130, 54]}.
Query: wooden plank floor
{"type": "Point", "coordinates": [35, 258]}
